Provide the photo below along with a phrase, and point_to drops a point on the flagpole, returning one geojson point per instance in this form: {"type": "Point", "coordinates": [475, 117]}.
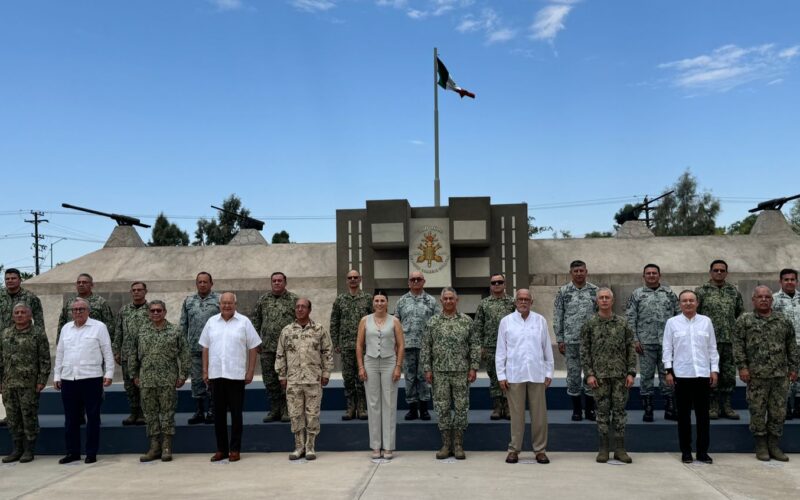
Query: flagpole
{"type": "Point", "coordinates": [436, 199]}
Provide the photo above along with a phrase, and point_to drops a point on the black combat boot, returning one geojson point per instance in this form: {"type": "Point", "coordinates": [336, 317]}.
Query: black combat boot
{"type": "Point", "coordinates": [589, 412]}
{"type": "Point", "coordinates": [423, 411]}
{"type": "Point", "coordinates": [199, 414]}
{"type": "Point", "coordinates": [577, 409]}
{"type": "Point", "coordinates": [412, 414]}
{"type": "Point", "coordinates": [16, 453]}
{"type": "Point", "coordinates": [28, 452]}
{"type": "Point", "coordinates": [669, 409]}
{"type": "Point", "coordinates": [210, 415]}
{"type": "Point", "coordinates": [647, 404]}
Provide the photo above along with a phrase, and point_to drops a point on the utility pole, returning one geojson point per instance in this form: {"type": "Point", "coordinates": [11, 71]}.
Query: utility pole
{"type": "Point", "coordinates": [36, 237]}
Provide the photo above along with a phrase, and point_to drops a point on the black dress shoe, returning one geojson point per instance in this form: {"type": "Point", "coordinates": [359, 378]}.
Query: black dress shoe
{"type": "Point", "coordinates": [703, 457]}
{"type": "Point", "coordinates": [686, 458]}
{"type": "Point", "coordinates": [90, 459]}
{"type": "Point", "coordinates": [68, 459]}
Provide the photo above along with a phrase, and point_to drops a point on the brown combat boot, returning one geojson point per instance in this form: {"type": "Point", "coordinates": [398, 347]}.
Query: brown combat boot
{"type": "Point", "coordinates": [285, 411]}
{"type": "Point", "coordinates": [772, 447]}
{"type": "Point", "coordinates": [350, 412]}
{"type": "Point", "coordinates": [619, 449]}
{"type": "Point", "coordinates": [274, 414]}
{"type": "Point", "coordinates": [506, 410]}
{"type": "Point", "coordinates": [762, 452]}
{"type": "Point", "coordinates": [361, 409]}
{"type": "Point", "coordinates": [713, 407]}
{"type": "Point", "coordinates": [497, 409]}
{"type": "Point", "coordinates": [28, 452]}
{"type": "Point", "coordinates": [16, 453]}
{"type": "Point", "coordinates": [166, 448]}
{"type": "Point", "coordinates": [154, 453]}
{"type": "Point", "coordinates": [311, 454]}
{"type": "Point", "coordinates": [602, 447]}
{"type": "Point", "coordinates": [299, 446]}
{"type": "Point", "coordinates": [130, 419]}
{"type": "Point", "coordinates": [458, 445]}
{"type": "Point", "coordinates": [447, 444]}
{"type": "Point", "coordinates": [727, 410]}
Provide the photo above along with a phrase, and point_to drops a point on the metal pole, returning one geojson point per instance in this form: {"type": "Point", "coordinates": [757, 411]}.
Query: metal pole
{"type": "Point", "coordinates": [436, 198]}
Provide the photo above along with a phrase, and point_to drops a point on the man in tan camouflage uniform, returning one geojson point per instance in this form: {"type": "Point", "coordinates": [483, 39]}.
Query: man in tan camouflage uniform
{"type": "Point", "coordinates": [13, 294]}
{"type": "Point", "coordinates": [609, 362]}
{"type": "Point", "coordinates": [131, 319]}
{"type": "Point", "coordinates": [722, 302]}
{"type": "Point", "coordinates": [766, 354]}
{"type": "Point", "coordinates": [160, 364]}
{"type": "Point", "coordinates": [274, 310]}
{"type": "Point", "coordinates": [787, 302]}
{"type": "Point", "coordinates": [575, 303]}
{"type": "Point", "coordinates": [450, 358]}
{"type": "Point", "coordinates": [487, 319]}
{"type": "Point", "coordinates": [347, 311]}
{"type": "Point", "coordinates": [303, 362]}
{"type": "Point", "coordinates": [24, 368]}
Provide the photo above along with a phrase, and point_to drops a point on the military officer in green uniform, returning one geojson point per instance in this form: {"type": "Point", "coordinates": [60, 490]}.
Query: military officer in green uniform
{"type": "Point", "coordinates": [766, 354]}
{"type": "Point", "coordinates": [99, 308]}
{"type": "Point", "coordinates": [347, 311]}
{"type": "Point", "coordinates": [196, 310]}
{"type": "Point", "coordinates": [450, 357]}
{"type": "Point", "coordinates": [131, 319]}
{"type": "Point", "coordinates": [608, 355]}
{"type": "Point", "coordinates": [24, 368]}
{"type": "Point", "coordinates": [274, 310]}
{"type": "Point", "coordinates": [722, 303]}
{"type": "Point", "coordinates": [487, 319]}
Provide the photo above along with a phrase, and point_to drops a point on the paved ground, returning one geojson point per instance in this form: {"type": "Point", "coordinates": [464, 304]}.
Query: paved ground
{"type": "Point", "coordinates": [417, 475]}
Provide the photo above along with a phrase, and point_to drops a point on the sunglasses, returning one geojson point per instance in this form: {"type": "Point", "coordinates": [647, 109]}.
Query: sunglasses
{"type": "Point", "coordinates": [499, 282]}
{"type": "Point", "coordinates": [416, 280]}
{"type": "Point", "coordinates": [156, 311]}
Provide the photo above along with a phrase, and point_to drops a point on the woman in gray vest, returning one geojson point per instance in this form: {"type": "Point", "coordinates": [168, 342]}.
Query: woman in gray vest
{"type": "Point", "coordinates": [379, 350]}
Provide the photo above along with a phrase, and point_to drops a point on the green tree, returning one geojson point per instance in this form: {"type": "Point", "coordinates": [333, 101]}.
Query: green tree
{"type": "Point", "coordinates": [220, 231]}
{"type": "Point", "coordinates": [599, 234]}
{"type": "Point", "coordinates": [794, 216]}
{"type": "Point", "coordinates": [282, 237]}
{"type": "Point", "coordinates": [743, 226]}
{"type": "Point", "coordinates": [685, 212]}
{"type": "Point", "coordinates": [166, 234]}
{"type": "Point", "coordinates": [533, 229]}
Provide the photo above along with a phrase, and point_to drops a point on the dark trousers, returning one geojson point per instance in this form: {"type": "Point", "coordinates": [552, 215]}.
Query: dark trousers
{"type": "Point", "coordinates": [228, 395]}
{"type": "Point", "coordinates": [76, 396]}
{"type": "Point", "coordinates": [689, 393]}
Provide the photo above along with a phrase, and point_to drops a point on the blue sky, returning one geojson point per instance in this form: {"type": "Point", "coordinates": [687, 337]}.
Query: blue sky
{"type": "Point", "coordinates": [301, 107]}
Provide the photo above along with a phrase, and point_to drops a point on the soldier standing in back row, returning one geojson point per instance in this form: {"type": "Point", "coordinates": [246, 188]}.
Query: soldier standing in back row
{"type": "Point", "coordinates": [722, 302]}
{"type": "Point", "coordinates": [347, 311]}
{"type": "Point", "coordinates": [160, 364]}
{"type": "Point", "coordinates": [575, 303]}
{"type": "Point", "coordinates": [99, 308]}
{"type": "Point", "coordinates": [414, 309]}
{"type": "Point", "coordinates": [196, 311]}
{"type": "Point", "coordinates": [649, 308]}
{"type": "Point", "coordinates": [131, 319]}
{"type": "Point", "coordinates": [766, 354]}
{"type": "Point", "coordinates": [450, 358]}
{"type": "Point", "coordinates": [24, 368]}
{"type": "Point", "coordinates": [13, 294]}
{"type": "Point", "coordinates": [787, 302]}
{"type": "Point", "coordinates": [274, 310]}
{"type": "Point", "coordinates": [487, 320]}
{"type": "Point", "coordinates": [609, 362]}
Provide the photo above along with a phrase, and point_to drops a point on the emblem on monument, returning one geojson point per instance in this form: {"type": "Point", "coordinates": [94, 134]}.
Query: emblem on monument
{"type": "Point", "coordinates": [431, 254]}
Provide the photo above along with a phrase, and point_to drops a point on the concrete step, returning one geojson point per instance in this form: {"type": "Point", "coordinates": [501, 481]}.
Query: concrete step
{"type": "Point", "coordinates": [482, 434]}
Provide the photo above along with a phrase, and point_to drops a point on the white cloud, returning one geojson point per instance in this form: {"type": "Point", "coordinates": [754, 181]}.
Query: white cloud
{"type": "Point", "coordinates": [488, 22]}
{"type": "Point", "coordinates": [775, 81]}
{"type": "Point", "coordinates": [227, 4]}
{"type": "Point", "coordinates": [416, 14]}
{"type": "Point", "coordinates": [434, 7]}
{"type": "Point", "coordinates": [397, 4]}
{"type": "Point", "coordinates": [313, 5]}
{"type": "Point", "coordinates": [416, 142]}
{"type": "Point", "coordinates": [550, 20]}
{"type": "Point", "coordinates": [730, 66]}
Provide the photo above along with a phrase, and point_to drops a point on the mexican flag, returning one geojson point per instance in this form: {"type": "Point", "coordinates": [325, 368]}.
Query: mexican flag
{"type": "Point", "coordinates": [447, 83]}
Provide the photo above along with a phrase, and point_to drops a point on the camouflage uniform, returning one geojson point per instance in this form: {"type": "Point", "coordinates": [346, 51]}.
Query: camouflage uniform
{"type": "Point", "coordinates": [24, 363]}
{"type": "Point", "coordinates": [722, 305]}
{"type": "Point", "coordinates": [487, 319]}
{"type": "Point", "coordinates": [159, 358]}
{"type": "Point", "coordinates": [346, 313]}
{"type": "Point", "coordinates": [303, 358]}
{"type": "Point", "coordinates": [767, 347]}
{"type": "Point", "coordinates": [414, 311]}
{"type": "Point", "coordinates": [790, 307]}
{"type": "Point", "coordinates": [194, 313]}
{"type": "Point", "coordinates": [99, 310]}
{"type": "Point", "coordinates": [573, 307]}
{"type": "Point", "coordinates": [8, 301]}
{"type": "Point", "coordinates": [131, 319]}
{"type": "Point", "coordinates": [608, 353]}
{"type": "Point", "coordinates": [647, 312]}
{"type": "Point", "coordinates": [271, 314]}
{"type": "Point", "coordinates": [450, 349]}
